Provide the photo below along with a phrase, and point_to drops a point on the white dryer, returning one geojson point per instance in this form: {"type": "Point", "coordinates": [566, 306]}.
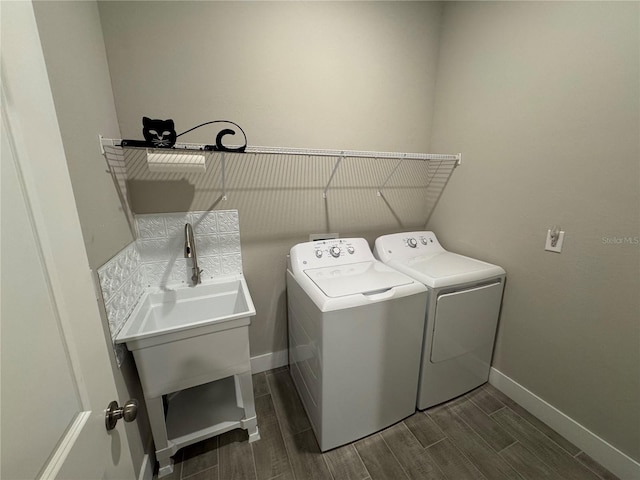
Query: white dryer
{"type": "Point", "coordinates": [464, 302]}
{"type": "Point", "coordinates": [355, 339]}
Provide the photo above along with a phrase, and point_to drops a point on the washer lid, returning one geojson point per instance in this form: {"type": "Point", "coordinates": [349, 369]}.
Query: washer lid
{"type": "Point", "coordinates": [356, 278]}
{"type": "Point", "coordinates": [446, 268]}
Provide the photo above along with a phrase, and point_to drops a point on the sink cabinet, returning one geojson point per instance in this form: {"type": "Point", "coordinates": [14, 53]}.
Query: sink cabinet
{"type": "Point", "coordinates": [208, 403]}
{"type": "Point", "coordinates": [191, 348]}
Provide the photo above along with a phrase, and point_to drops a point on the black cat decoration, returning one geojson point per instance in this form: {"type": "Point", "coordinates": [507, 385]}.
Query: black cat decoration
{"type": "Point", "coordinates": [162, 134]}
{"type": "Point", "coordinates": [159, 133]}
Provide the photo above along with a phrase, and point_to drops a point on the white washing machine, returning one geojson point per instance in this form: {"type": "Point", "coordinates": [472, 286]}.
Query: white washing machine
{"type": "Point", "coordinates": [462, 312]}
{"type": "Point", "coordinates": [355, 339]}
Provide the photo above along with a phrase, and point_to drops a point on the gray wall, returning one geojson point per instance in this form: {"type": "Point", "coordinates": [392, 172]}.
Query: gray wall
{"type": "Point", "coordinates": [76, 63]}
{"type": "Point", "coordinates": [337, 75]}
{"type": "Point", "coordinates": [344, 75]}
{"type": "Point", "coordinates": [543, 99]}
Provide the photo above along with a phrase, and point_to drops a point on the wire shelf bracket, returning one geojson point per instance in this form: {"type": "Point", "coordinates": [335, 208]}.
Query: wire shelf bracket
{"type": "Point", "coordinates": [222, 177]}
{"type": "Point", "coordinates": [379, 191]}
{"type": "Point", "coordinates": [335, 169]}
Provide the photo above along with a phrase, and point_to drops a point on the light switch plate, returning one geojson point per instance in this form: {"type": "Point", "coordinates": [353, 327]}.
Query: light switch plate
{"type": "Point", "coordinates": [558, 247]}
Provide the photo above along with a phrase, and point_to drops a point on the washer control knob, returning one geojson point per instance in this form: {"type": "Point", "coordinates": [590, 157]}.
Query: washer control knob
{"type": "Point", "coordinates": [319, 253]}
{"type": "Point", "coordinates": [351, 250]}
{"type": "Point", "coordinates": [335, 251]}
{"type": "Point", "coordinates": [423, 240]}
{"type": "Point", "coordinates": [412, 243]}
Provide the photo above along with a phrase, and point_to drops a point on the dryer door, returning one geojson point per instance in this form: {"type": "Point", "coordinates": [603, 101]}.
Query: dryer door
{"type": "Point", "coordinates": [465, 321]}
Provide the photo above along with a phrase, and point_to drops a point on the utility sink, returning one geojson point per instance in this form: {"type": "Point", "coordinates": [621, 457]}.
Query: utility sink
{"type": "Point", "coordinates": [189, 336]}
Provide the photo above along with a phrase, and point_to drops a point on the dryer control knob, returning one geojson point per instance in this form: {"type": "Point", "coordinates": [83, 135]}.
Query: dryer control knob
{"type": "Point", "coordinates": [335, 251]}
{"type": "Point", "coordinates": [423, 240]}
{"type": "Point", "coordinates": [412, 243]}
{"type": "Point", "coordinates": [350, 250]}
{"type": "Point", "coordinates": [319, 253]}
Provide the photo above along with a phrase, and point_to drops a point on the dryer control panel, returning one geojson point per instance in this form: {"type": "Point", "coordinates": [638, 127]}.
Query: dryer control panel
{"type": "Point", "coordinates": [406, 245]}
{"type": "Point", "coordinates": [325, 253]}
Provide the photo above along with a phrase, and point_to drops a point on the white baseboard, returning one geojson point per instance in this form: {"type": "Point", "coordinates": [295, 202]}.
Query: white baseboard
{"type": "Point", "coordinates": [597, 448]}
{"type": "Point", "coordinates": [268, 361]}
{"type": "Point", "coordinates": [146, 470]}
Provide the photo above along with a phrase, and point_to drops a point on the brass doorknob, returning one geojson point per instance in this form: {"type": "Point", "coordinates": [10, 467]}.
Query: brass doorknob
{"type": "Point", "coordinates": [128, 412]}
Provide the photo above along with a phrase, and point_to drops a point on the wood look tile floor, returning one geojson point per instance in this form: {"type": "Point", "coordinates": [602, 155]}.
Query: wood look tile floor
{"type": "Point", "coordinates": [481, 435]}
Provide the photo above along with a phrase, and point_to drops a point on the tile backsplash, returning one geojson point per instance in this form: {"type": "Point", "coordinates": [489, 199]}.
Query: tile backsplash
{"type": "Point", "coordinates": [161, 244]}
{"type": "Point", "coordinates": [122, 281]}
{"type": "Point", "coordinates": [156, 259]}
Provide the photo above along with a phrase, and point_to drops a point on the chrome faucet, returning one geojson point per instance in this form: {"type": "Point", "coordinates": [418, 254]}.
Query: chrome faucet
{"type": "Point", "coordinates": [190, 252]}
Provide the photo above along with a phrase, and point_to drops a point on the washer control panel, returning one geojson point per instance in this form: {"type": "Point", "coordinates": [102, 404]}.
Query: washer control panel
{"type": "Point", "coordinates": [420, 240]}
{"type": "Point", "coordinates": [325, 253]}
{"type": "Point", "coordinates": [406, 245]}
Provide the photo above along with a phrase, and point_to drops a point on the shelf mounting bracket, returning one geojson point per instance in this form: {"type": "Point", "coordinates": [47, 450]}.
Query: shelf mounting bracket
{"type": "Point", "coordinates": [335, 168]}
{"type": "Point", "coordinates": [379, 191]}
{"type": "Point", "coordinates": [223, 172]}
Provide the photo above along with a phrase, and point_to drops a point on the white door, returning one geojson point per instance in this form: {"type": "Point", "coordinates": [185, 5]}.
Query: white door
{"type": "Point", "coordinates": [55, 369]}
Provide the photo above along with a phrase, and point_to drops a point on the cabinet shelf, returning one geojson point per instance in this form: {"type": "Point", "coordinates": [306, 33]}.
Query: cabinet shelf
{"type": "Point", "coordinates": [203, 411]}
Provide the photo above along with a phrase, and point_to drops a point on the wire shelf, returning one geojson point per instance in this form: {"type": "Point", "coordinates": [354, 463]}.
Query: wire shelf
{"type": "Point", "coordinates": [378, 170]}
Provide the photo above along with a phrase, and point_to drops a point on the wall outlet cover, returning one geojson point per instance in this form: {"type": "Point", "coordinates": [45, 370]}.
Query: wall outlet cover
{"type": "Point", "coordinates": [557, 248]}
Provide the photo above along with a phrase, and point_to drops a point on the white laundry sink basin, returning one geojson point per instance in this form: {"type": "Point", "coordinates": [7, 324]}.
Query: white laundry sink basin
{"type": "Point", "coordinates": [190, 335]}
{"type": "Point", "coordinates": [166, 315]}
